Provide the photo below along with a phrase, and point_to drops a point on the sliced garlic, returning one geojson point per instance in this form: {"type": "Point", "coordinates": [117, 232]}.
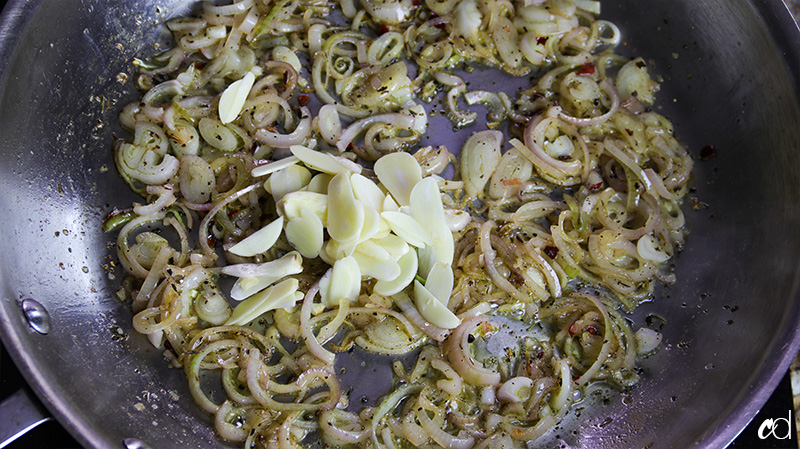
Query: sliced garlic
{"type": "Point", "coordinates": [432, 309]}
{"type": "Point", "coordinates": [440, 281]}
{"type": "Point", "coordinates": [426, 207]}
{"type": "Point", "coordinates": [389, 204]}
{"type": "Point", "coordinates": [305, 233]}
{"type": "Point", "coordinates": [345, 281]}
{"type": "Point", "coordinates": [405, 227]}
{"type": "Point", "coordinates": [479, 158]}
{"type": "Point", "coordinates": [279, 296]}
{"type": "Point", "coordinates": [367, 192]}
{"type": "Point", "coordinates": [272, 167]}
{"type": "Point", "coordinates": [399, 173]}
{"type": "Point", "coordinates": [394, 245]}
{"type": "Point", "coordinates": [319, 183]}
{"type": "Point", "coordinates": [376, 262]}
{"type": "Point", "coordinates": [233, 98]}
{"type": "Point", "coordinates": [276, 270]}
{"type": "Point", "coordinates": [345, 213]}
{"type": "Point", "coordinates": [323, 162]}
{"type": "Point", "coordinates": [292, 203]}
{"type": "Point", "coordinates": [287, 180]}
{"type": "Point", "coordinates": [259, 241]}
{"type": "Point", "coordinates": [408, 270]}
{"type": "Point", "coordinates": [372, 224]}
{"type": "Point", "coordinates": [334, 250]}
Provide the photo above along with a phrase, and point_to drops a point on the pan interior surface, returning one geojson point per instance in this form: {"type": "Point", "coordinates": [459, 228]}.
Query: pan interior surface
{"type": "Point", "coordinates": [730, 320]}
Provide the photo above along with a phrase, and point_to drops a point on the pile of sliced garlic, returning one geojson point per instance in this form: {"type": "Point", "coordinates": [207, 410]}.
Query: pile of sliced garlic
{"type": "Point", "coordinates": [395, 231]}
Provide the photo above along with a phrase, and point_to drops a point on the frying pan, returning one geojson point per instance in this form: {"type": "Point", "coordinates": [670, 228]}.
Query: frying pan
{"type": "Point", "coordinates": [730, 69]}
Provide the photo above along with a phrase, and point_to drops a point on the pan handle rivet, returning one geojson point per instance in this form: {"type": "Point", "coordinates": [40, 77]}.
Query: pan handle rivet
{"type": "Point", "coordinates": [36, 315]}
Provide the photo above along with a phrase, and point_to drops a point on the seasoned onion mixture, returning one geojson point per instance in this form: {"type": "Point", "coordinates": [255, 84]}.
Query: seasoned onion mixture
{"type": "Point", "coordinates": [291, 215]}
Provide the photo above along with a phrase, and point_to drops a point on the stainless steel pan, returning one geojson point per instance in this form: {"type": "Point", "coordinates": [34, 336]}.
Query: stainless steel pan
{"type": "Point", "coordinates": [731, 72]}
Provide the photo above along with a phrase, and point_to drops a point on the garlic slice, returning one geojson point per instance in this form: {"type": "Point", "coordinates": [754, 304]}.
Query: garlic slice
{"type": "Point", "coordinates": [259, 241]}
{"type": "Point", "coordinates": [405, 227]}
{"type": "Point", "coordinates": [292, 203]}
{"type": "Point", "coordinates": [272, 167]}
{"type": "Point", "coordinates": [367, 192]}
{"type": "Point", "coordinates": [426, 207]}
{"type": "Point", "coordinates": [287, 180]}
{"type": "Point", "coordinates": [324, 162]}
{"type": "Point", "coordinates": [399, 173]}
{"type": "Point", "coordinates": [233, 98]}
{"type": "Point", "coordinates": [306, 234]}
{"type": "Point", "coordinates": [408, 270]}
{"type": "Point", "coordinates": [281, 295]}
{"type": "Point", "coordinates": [277, 269]}
{"type": "Point", "coordinates": [440, 282]}
{"type": "Point", "coordinates": [376, 262]}
{"type": "Point", "coordinates": [345, 213]}
{"type": "Point", "coordinates": [432, 309]}
{"type": "Point", "coordinates": [345, 282]}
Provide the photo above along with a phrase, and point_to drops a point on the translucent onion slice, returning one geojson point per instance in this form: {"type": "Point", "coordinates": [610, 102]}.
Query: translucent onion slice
{"type": "Point", "coordinates": [281, 295]}
{"type": "Point", "coordinates": [432, 309]}
{"type": "Point", "coordinates": [233, 98]}
{"type": "Point", "coordinates": [259, 241]}
{"type": "Point", "coordinates": [517, 389]}
{"type": "Point", "coordinates": [479, 158]}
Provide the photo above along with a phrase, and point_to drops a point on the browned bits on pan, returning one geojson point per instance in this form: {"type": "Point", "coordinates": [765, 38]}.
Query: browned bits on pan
{"type": "Point", "coordinates": [707, 152]}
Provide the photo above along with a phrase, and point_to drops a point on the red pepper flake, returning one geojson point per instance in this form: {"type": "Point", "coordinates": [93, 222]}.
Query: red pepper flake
{"type": "Point", "coordinates": [591, 329]}
{"type": "Point", "coordinates": [707, 152]}
{"type": "Point", "coordinates": [383, 29]}
{"type": "Point", "coordinates": [232, 213]}
{"type": "Point", "coordinates": [551, 251]}
{"type": "Point", "coordinates": [511, 182]}
{"type": "Point", "coordinates": [212, 241]}
{"type": "Point", "coordinates": [596, 187]}
{"type": "Point", "coordinates": [573, 329]}
{"type": "Point", "coordinates": [303, 99]}
{"type": "Point", "coordinates": [541, 40]}
{"type": "Point", "coordinates": [586, 69]}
